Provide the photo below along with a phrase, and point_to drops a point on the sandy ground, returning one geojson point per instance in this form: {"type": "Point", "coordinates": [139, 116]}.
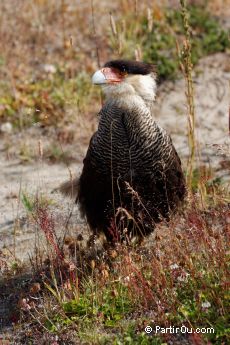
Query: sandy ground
{"type": "Point", "coordinates": [212, 91]}
{"type": "Point", "coordinates": [212, 101]}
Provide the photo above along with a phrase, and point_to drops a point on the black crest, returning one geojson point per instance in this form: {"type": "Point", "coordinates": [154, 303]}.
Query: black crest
{"type": "Point", "coordinates": [131, 67]}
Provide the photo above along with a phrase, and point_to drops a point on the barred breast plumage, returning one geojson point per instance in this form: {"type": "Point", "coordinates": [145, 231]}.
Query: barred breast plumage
{"type": "Point", "coordinates": [132, 176]}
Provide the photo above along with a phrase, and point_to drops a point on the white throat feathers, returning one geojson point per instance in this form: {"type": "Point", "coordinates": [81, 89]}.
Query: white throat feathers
{"type": "Point", "coordinates": [139, 88]}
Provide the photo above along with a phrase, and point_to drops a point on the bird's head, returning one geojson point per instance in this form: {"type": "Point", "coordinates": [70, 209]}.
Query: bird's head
{"type": "Point", "coordinates": [122, 78]}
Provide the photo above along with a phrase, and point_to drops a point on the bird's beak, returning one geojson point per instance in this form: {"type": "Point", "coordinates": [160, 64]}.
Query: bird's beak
{"type": "Point", "coordinates": [106, 75]}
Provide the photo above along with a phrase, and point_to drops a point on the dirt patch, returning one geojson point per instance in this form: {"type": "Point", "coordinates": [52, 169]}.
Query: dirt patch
{"type": "Point", "coordinates": [212, 99]}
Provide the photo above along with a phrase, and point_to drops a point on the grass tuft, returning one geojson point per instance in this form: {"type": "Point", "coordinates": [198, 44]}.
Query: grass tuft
{"type": "Point", "coordinates": [109, 297]}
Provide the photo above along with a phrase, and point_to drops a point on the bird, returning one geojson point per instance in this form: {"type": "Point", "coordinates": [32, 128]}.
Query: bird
{"type": "Point", "coordinates": [132, 176]}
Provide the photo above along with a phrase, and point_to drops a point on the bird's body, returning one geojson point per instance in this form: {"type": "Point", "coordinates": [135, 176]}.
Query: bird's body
{"type": "Point", "coordinates": [132, 176]}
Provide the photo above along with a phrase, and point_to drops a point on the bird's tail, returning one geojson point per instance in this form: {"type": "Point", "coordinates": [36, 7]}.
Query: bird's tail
{"type": "Point", "coordinates": [69, 188]}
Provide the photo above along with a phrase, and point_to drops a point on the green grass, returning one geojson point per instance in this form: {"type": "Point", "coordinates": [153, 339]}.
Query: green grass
{"type": "Point", "coordinates": [45, 100]}
{"type": "Point", "coordinates": [160, 45]}
{"type": "Point", "coordinates": [159, 34]}
{"type": "Point", "coordinates": [31, 203]}
{"type": "Point", "coordinates": [180, 280]}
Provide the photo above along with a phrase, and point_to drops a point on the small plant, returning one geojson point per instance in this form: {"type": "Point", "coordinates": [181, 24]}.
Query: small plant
{"type": "Point", "coordinates": [187, 66]}
{"type": "Point", "coordinates": [44, 100]}
{"type": "Point", "coordinates": [54, 153]}
{"type": "Point", "coordinates": [31, 202]}
{"type": "Point", "coordinates": [159, 44]}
